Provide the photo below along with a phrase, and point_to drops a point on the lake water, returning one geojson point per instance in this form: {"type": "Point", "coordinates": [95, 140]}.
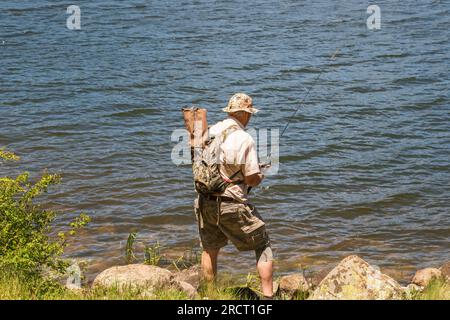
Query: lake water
{"type": "Point", "coordinates": [364, 165]}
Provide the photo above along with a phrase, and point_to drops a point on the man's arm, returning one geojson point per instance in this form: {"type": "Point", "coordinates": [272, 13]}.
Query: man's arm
{"type": "Point", "coordinates": [254, 179]}
{"type": "Point", "coordinates": [251, 169]}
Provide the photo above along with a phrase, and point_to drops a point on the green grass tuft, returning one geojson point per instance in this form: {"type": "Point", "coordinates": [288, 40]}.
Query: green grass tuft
{"type": "Point", "coordinates": [437, 289]}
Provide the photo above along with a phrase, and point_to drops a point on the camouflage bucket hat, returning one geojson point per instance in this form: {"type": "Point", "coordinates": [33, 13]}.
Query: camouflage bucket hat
{"type": "Point", "coordinates": [240, 102]}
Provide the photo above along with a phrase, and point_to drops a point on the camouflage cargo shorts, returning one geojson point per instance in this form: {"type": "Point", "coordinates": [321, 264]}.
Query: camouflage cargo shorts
{"type": "Point", "coordinates": [220, 221]}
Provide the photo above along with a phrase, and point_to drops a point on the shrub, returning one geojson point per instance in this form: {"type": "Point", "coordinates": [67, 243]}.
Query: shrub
{"type": "Point", "coordinates": [27, 239]}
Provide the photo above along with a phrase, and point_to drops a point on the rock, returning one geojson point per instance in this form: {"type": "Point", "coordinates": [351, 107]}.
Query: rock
{"type": "Point", "coordinates": [186, 287]}
{"type": "Point", "coordinates": [424, 276]}
{"type": "Point", "coordinates": [191, 276]}
{"type": "Point", "coordinates": [134, 276]}
{"type": "Point", "coordinates": [445, 270]}
{"type": "Point", "coordinates": [318, 277]}
{"type": "Point", "coordinates": [354, 279]}
{"type": "Point", "coordinates": [293, 283]}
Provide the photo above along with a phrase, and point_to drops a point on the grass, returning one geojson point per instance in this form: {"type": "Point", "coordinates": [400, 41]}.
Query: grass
{"type": "Point", "coordinates": [19, 286]}
{"type": "Point", "coordinates": [438, 289]}
{"type": "Point", "coordinates": [25, 286]}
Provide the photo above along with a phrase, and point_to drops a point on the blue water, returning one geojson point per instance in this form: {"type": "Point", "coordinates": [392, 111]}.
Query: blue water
{"type": "Point", "coordinates": [364, 165]}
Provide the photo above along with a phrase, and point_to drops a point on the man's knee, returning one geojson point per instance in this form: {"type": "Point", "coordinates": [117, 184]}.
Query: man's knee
{"type": "Point", "coordinates": [212, 253]}
{"type": "Point", "coordinates": [264, 254]}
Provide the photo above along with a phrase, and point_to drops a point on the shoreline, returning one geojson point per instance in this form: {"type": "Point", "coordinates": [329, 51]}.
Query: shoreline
{"type": "Point", "coordinates": [352, 278]}
{"type": "Point", "coordinates": [401, 273]}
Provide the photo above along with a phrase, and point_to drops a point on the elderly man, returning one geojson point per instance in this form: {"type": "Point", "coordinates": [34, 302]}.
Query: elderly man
{"type": "Point", "coordinates": [229, 215]}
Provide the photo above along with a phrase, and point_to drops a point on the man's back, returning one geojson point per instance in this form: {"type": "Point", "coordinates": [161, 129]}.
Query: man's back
{"type": "Point", "coordinates": [238, 157]}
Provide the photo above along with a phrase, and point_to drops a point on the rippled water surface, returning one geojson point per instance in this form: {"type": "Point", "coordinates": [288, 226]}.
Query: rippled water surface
{"type": "Point", "coordinates": [364, 164]}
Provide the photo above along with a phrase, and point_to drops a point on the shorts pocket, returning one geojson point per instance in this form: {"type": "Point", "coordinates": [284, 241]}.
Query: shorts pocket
{"type": "Point", "coordinates": [250, 219]}
{"type": "Point", "coordinates": [229, 208]}
{"type": "Point", "coordinates": [253, 240]}
{"type": "Point", "coordinates": [259, 238]}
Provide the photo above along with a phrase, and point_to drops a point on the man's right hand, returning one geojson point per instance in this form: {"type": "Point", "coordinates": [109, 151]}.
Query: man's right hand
{"type": "Point", "coordinates": [254, 179]}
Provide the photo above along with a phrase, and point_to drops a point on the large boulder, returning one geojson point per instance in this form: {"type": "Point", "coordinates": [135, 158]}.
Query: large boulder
{"type": "Point", "coordinates": [445, 270]}
{"type": "Point", "coordinates": [292, 284]}
{"type": "Point", "coordinates": [134, 276]}
{"type": "Point", "coordinates": [354, 279]}
{"type": "Point", "coordinates": [146, 278]}
{"type": "Point", "coordinates": [186, 287]}
{"type": "Point", "coordinates": [191, 275]}
{"type": "Point", "coordinates": [424, 276]}
{"type": "Point", "coordinates": [317, 277]}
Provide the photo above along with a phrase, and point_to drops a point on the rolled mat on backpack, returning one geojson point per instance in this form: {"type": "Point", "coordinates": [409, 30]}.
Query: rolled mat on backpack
{"type": "Point", "coordinates": [197, 126]}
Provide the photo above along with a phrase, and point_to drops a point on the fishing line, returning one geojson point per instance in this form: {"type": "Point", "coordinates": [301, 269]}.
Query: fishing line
{"type": "Point", "coordinates": [333, 57]}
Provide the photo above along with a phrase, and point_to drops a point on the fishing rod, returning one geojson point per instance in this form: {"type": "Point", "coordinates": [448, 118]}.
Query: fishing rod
{"type": "Point", "coordinates": [333, 57]}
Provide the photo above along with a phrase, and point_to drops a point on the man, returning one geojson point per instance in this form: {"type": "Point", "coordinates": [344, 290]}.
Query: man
{"type": "Point", "coordinates": [230, 216]}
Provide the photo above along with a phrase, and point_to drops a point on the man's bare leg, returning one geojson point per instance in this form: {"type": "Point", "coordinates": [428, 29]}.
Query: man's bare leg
{"type": "Point", "coordinates": [265, 270]}
{"type": "Point", "coordinates": [209, 264]}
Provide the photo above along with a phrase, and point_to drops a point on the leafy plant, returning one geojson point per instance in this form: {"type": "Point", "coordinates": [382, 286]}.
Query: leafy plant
{"type": "Point", "coordinates": [27, 240]}
{"type": "Point", "coordinates": [7, 155]}
{"type": "Point", "coordinates": [152, 254]}
{"type": "Point", "coordinates": [129, 251]}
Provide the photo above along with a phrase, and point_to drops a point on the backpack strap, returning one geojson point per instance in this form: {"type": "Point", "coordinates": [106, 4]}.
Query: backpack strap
{"type": "Point", "coordinates": [227, 132]}
{"type": "Point", "coordinates": [224, 135]}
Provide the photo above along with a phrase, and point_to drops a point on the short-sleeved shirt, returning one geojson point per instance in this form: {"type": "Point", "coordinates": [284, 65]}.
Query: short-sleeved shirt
{"type": "Point", "coordinates": [238, 155]}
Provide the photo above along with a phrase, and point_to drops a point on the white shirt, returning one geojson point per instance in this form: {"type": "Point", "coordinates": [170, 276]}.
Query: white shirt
{"type": "Point", "coordinates": [238, 154]}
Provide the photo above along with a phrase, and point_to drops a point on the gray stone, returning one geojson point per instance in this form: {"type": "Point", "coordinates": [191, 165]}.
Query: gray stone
{"type": "Point", "coordinates": [445, 270]}
{"type": "Point", "coordinates": [354, 279]}
{"type": "Point", "coordinates": [186, 287]}
{"type": "Point", "coordinates": [424, 276]}
{"type": "Point", "coordinates": [318, 277]}
{"type": "Point", "coordinates": [293, 283]}
{"type": "Point", "coordinates": [134, 276]}
{"type": "Point", "coordinates": [191, 275]}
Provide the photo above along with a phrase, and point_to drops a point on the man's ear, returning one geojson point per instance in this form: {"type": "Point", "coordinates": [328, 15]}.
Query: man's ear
{"type": "Point", "coordinates": [249, 116]}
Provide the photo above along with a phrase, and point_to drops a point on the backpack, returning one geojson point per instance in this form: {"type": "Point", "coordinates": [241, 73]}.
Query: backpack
{"type": "Point", "coordinates": [205, 166]}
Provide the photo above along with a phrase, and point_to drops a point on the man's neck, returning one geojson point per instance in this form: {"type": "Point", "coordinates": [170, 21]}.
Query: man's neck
{"type": "Point", "coordinates": [238, 122]}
